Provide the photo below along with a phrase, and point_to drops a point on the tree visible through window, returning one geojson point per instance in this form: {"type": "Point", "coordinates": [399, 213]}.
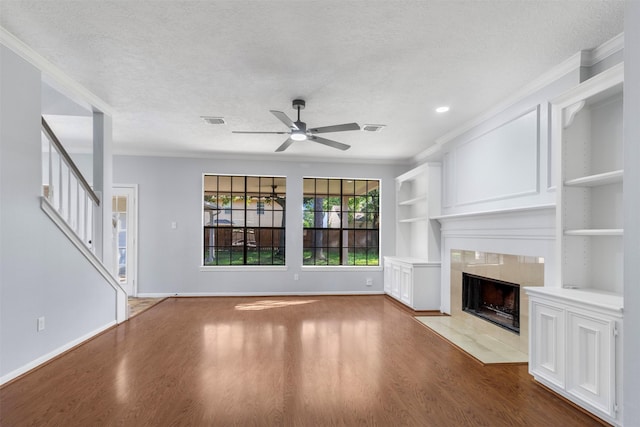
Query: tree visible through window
{"type": "Point", "coordinates": [341, 221]}
{"type": "Point", "coordinates": [244, 220]}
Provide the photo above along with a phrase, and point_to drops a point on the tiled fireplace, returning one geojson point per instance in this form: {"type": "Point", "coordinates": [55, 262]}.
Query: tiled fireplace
{"type": "Point", "coordinates": [513, 269]}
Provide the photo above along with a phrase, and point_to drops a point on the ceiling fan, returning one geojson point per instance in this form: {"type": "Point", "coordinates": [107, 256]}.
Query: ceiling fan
{"type": "Point", "coordinates": [298, 130]}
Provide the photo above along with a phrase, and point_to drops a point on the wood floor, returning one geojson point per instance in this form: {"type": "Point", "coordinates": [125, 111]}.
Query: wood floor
{"type": "Point", "coordinates": [298, 361]}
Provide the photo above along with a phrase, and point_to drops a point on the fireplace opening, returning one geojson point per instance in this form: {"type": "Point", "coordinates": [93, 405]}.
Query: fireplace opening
{"type": "Point", "coordinates": [493, 300]}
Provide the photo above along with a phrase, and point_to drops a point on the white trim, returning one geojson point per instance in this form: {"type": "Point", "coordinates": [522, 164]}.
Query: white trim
{"type": "Point", "coordinates": [603, 51]}
{"type": "Point", "coordinates": [42, 359]}
{"type": "Point", "coordinates": [54, 75]}
{"type": "Point", "coordinates": [341, 268]}
{"type": "Point", "coordinates": [254, 294]}
{"type": "Point", "coordinates": [272, 157]}
{"type": "Point", "coordinates": [122, 309]}
{"type": "Point", "coordinates": [442, 218]}
{"type": "Point", "coordinates": [136, 234]}
{"type": "Point", "coordinates": [243, 268]}
{"type": "Point", "coordinates": [596, 84]}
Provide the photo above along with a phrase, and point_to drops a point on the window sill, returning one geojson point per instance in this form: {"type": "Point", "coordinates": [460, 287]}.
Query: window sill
{"type": "Point", "coordinates": [243, 268]}
{"type": "Point", "coordinates": [341, 268]}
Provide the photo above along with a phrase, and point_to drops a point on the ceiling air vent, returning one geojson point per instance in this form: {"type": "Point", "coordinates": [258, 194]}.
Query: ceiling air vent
{"type": "Point", "coordinates": [373, 128]}
{"type": "Point", "coordinates": [214, 120]}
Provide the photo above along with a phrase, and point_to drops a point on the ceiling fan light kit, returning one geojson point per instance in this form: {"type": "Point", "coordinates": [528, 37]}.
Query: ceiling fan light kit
{"type": "Point", "coordinates": [298, 130]}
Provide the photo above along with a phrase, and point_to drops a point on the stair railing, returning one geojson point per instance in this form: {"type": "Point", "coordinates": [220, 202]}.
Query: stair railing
{"type": "Point", "coordinates": [66, 190]}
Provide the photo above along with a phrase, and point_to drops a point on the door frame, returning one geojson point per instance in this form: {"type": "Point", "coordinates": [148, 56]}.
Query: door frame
{"type": "Point", "coordinates": [132, 227]}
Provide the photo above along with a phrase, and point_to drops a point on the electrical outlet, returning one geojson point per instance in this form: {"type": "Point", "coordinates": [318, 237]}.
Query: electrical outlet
{"type": "Point", "coordinates": [40, 323]}
{"type": "Point", "coordinates": [369, 281]}
{"type": "Point", "coordinates": [296, 276]}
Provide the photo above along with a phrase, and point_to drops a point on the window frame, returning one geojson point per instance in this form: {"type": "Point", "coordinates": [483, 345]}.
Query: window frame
{"type": "Point", "coordinates": [342, 229]}
{"type": "Point", "coordinates": [247, 194]}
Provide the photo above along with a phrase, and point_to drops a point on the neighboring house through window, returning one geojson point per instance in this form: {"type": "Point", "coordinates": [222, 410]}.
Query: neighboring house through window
{"type": "Point", "coordinates": [244, 220]}
{"type": "Point", "coordinates": [341, 221]}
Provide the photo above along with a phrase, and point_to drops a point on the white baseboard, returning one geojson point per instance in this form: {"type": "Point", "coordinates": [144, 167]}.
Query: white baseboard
{"type": "Point", "coordinates": [40, 360]}
{"type": "Point", "coordinates": [254, 294]}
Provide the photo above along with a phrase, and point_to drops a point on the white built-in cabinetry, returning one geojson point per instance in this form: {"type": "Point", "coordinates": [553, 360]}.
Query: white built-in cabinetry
{"type": "Point", "coordinates": [576, 347]}
{"type": "Point", "coordinates": [588, 130]}
{"type": "Point", "coordinates": [576, 325]}
{"type": "Point", "coordinates": [413, 275]}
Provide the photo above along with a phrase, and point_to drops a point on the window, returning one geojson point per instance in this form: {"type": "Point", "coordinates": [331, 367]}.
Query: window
{"type": "Point", "coordinates": [341, 221]}
{"type": "Point", "coordinates": [243, 220]}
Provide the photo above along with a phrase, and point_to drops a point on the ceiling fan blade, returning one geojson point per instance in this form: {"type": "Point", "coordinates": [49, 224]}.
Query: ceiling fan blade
{"type": "Point", "coordinates": [285, 145]}
{"type": "Point", "coordinates": [330, 143]}
{"type": "Point", "coordinates": [336, 128]}
{"type": "Point", "coordinates": [284, 119]}
{"type": "Point", "coordinates": [249, 131]}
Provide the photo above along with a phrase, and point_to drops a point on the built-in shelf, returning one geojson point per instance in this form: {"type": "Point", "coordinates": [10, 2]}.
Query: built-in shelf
{"type": "Point", "coordinates": [413, 201]}
{"type": "Point", "coordinates": [412, 276]}
{"type": "Point", "coordinates": [417, 219]}
{"type": "Point", "coordinates": [595, 232]}
{"type": "Point", "coordinates": [597, 179]}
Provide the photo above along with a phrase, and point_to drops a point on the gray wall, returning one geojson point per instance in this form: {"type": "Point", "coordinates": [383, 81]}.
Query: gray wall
{"type": "Point", "coordinates": [631, 355]}
{"type": "Point", "coordinates": [170, 190]}
{"type": "Point", "coordinates": [41, 272]}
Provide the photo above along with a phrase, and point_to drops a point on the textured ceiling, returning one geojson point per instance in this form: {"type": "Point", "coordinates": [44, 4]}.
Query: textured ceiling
{"type": "Point", "coordinates": [162, 64]}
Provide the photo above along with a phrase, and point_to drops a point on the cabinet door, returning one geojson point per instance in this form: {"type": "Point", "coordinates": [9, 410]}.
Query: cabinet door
{"type": "Point", "coordinates": [388, 277]}
{"type": "Point", "coordinates": [406, 285]}
{"type": "Point", "coordinates": [547, 342]}
{"type": "Point", "coordinates": [395, 281]}
{"type": "Point", "coordinates": [591, 360]}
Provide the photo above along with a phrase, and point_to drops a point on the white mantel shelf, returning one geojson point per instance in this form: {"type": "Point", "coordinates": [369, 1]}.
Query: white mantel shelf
{"type": "Point", "coordinates": [592, 297]}
{"type": "Point", "coordinates": [442, 218]}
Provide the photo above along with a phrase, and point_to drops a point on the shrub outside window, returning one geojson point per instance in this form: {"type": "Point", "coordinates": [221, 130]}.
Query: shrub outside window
{"type": "Point", "coordinates": [341, 221]}
{"type": "Point", "coordinates": [243, 220]}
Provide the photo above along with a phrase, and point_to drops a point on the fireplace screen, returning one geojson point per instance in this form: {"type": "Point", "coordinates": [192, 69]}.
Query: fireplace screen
{"type": "Point", "coordinates": [493, 300]}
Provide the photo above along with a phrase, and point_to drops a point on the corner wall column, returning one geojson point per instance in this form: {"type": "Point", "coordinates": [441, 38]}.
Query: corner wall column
{"type": "Point", "coordinates": [102, 183]}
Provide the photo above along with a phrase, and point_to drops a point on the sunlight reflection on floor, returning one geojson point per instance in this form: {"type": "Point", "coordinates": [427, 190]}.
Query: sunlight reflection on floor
{"type": "Point", "coordinates": [267, 304]}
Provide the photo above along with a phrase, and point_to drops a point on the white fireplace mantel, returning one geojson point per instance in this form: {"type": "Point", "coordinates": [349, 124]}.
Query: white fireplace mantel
{"type": "Point", "coordinates": [527, 231]}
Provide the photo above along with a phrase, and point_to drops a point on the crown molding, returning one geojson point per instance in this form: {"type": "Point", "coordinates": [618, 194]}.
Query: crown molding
{"type": "Point", "coordinates": [213, 155]}
{"type": "Point", "coordinates": [603, 51]}
{"type": "Point", "coordinates": [54, 76]}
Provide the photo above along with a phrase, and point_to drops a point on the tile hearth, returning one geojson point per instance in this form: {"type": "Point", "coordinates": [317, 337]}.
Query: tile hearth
{"type": "Point", "coordinates": [483, 347]}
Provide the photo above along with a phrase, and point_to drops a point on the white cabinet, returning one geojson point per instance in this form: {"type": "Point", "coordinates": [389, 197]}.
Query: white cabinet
{"type": "Point", "coordinates": [413, 275]}
{"type": "Point", "coordinates": [413, 282]}
{"type": "Point", "coordinates": [576, 346]}
{"type": "Point", "coordinates": [587, 135]}
{"type": "Point", "coordinates": [575, 336]}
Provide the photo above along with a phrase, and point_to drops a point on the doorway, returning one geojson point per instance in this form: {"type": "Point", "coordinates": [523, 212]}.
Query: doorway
{"type": "Point", "coordinates": [125, 219]}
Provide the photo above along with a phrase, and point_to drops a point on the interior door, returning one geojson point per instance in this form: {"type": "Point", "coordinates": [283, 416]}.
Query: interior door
{"type": "Point", "coordinates": [125, 220]}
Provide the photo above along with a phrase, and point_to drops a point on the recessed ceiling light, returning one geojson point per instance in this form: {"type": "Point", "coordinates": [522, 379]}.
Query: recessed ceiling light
{"type": "Point", "coordinates": [214, 120]}
{"type": "Point", "coordinates": [442, 109]}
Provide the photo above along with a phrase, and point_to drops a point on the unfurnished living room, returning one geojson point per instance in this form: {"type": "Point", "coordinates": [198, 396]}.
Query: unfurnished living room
{"type": "Point", "coordinates": [319, 213]}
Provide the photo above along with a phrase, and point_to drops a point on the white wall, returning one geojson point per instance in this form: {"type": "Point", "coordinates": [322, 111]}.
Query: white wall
{"type": "Point", "coordinates": [41, 272]}
{"type": "Point", "coordinates": [631, 355]}
{"type": "Point", "coordinates": [170, 190]}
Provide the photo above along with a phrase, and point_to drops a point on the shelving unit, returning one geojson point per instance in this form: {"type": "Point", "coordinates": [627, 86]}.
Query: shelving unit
{"type": "Point", "coordinates": [413, 275]}
{"type": "Point", "coordinates": [588, 134]}
{"type": "Point", "coordinates": [576, 325]}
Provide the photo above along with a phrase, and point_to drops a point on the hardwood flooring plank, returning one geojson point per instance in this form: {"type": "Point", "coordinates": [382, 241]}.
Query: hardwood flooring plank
{"type": "Point", "coordinates": [278, 361]}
